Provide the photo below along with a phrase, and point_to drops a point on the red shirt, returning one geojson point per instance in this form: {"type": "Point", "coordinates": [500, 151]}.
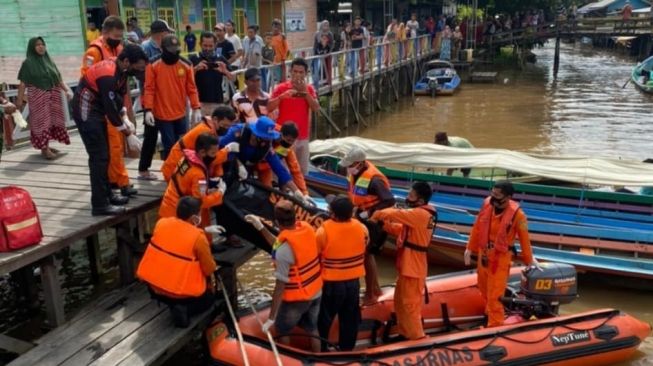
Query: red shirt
{"type": "Point", "coordinates": [295, 109]}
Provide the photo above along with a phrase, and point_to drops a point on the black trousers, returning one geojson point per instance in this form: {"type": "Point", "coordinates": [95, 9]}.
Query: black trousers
{"type": "Point", "coordinates": [340, 298]}
{"type": "Point", "coordinates": [93, 132]}
{"type": "Point", "coordinates": [150, 136]}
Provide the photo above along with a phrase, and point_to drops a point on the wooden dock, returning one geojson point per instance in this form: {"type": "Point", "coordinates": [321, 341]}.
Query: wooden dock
{"type": "Point", "coordinates": [61, 190]}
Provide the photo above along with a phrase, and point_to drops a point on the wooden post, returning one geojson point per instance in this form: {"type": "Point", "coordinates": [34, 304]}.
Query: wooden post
{"type": "Point", "coordinates": [54, 306]}
{"type": "Point", "coordinates": [556, 58]}
{"type": "Point", "coordinates": [126, 245]}
{"type": "Point", "coordinates": [94, 260]}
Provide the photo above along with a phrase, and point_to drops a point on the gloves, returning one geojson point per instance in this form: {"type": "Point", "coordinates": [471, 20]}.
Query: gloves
{"type": "Point", "coordinates": [233, 147]}
{"type": "Point", "coordinates": [306, 199]}
{"type": "Point", "coordinates": [129, 124]}
{"type": "Point", "coordinates": [222, 187]}
{"type": "Point", "coordinates": [196, 117]}
{"type": "Point", "coordinates": [534, 265]}
{"type": "Point", "coordinates": [149, 119]}
{"type": "Point", "coordinates": [267, 325]}
{"type": "Point", "coordinates": [18, 119]}
{"type": "Point", "coordinates": [134, 143]}
{"type": "Point", "coordinates": [468, 257]}
{"type": "Point", "coordinates": [256, 222]}
{"type": "Point", "coordinates": [242, 172]}
{"type": "Point", "coordinates": [215, 229]}
{"type": "Point", "coordinates": [364, 215]}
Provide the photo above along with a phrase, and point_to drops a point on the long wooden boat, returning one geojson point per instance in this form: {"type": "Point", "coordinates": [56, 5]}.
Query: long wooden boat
{"type": "Point", "coordinates": [596, 248]}
{"type": "Point", "coordinates": [451, 322]}
{"type": "Point", "coordinates": [641, 76]}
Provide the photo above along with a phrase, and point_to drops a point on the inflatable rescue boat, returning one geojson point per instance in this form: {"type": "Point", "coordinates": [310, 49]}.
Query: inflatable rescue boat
{"type": "Point", "coordinates": [534, 332]}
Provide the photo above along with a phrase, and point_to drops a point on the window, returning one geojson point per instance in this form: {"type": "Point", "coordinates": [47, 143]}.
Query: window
{"type": "Point", "coordinates": [240, 21]}
{"type": "Point", "coordinates": [167, 14]}
{"type": "Point", "coordinates": [130, 12]}
{"type": "Point", "coordinates": [210, 16]}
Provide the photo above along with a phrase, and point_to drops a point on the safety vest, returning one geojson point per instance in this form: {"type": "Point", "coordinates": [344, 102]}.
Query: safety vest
{"type": "Point", "coordinates": [482, 226]}
{"type": "Point", "coordinates": [343, 257]}
{"type": "Point", "coordinates": [358, 191]}
{"type": "Point", "coordinates": [413, 242]}
{"type": "Point", "coordinates": [97, 71]}
{"type": "Point", "coordinates": [169, 262]}
{"type": "Point", "coordinates": [305, 279]}
{"type": "Point", "coordinates": [105, 51]}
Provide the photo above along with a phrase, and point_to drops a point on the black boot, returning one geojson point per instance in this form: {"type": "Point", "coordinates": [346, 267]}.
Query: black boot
{"type": "Point", "coordinates": [128, 191]}
{"type": "Point", "coordinates": [108, 210]}
{"type": "Point", "coordinates": [179, 315]}
{"type": "Point", "coordinates": [118, 200]}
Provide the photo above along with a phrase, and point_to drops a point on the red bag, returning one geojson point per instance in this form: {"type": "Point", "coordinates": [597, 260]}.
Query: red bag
{"type": "Point", "coordinates": [19, 220]}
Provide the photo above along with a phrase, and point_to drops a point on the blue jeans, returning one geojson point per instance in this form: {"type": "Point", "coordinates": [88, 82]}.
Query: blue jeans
{"type": "Point", "coordinates": [171, 132]}
{"type": "Point", "coordinates": [264, 79]}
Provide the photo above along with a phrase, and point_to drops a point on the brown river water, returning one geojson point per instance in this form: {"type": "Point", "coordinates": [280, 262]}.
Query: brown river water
{"type": "Point", "coordinates": [585, 111]}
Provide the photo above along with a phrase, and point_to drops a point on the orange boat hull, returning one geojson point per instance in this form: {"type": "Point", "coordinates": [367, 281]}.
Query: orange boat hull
{"type": "Point", "coordinates": [599, 337]}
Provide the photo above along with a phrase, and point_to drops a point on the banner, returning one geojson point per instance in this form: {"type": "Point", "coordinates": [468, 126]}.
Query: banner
{"type": "Point", "coordinates": [295, 21]}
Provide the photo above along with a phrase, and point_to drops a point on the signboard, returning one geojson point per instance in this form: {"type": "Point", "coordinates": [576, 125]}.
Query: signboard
{"type": "Point", "coordinates": [295, 21]}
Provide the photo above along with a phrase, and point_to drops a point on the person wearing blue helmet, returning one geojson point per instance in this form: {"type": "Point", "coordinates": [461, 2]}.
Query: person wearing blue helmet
{"type": "Point", "coordinates": [256, 139]}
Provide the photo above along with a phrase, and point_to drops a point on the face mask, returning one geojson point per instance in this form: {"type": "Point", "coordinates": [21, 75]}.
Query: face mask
{"type": "Point", "coordinates": [208, 54]}
{"type": "Point", "coordinates": [411, 203]}
{"type": "Point", "coordinates": [352, 171]}
{"type": "Point", "coordinates": [135, 73]}
{"type": "Point", "coordinates": [285, 143]}
{"type": "Point", "coordinates": [113, 43]}
{"type": "Point", "coordinates": [196, 220]}
{"type": "Point", "coordinates": [207, 160]}
{"type": "Point", "coordinates": [495, 202]}
{"type": "Point", "coordinates": [170, 58]}
{"type": "Point", "coordinates": [222, 130]}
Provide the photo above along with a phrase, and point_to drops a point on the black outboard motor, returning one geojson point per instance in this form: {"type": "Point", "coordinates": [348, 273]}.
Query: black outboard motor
{"type": "Point", "coordinates": [541, 292]}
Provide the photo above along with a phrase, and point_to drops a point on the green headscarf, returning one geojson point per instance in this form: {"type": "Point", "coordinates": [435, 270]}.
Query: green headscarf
{"type": "Point", "coordinates": [38, 70]}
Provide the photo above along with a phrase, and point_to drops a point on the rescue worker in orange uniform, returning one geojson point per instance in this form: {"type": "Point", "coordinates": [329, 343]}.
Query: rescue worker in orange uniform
{"type": "Point", "coordinates": [223, 117]}
{"type": "Point", "coordinates": [195, 176]}
{"type": "Point", "coordinates": [413, 228]}
{"type": "Point", "coordinates": [283, 148]}
{"type": "Point", "coordinates": [369, 190]}
{"type": "Point", "coordinates": [98, 102]}
{"type": "Point", "coordinates": [107, 47]}
{"type": "Point", "coordinates": [298, 286]}
{"type": "Point", "coordinates": [341, 241]}
{"type": "Point", "coordinates": [178, 265]}
{"type": "Point", "coordinates": [492, 239]}
{"type": "Point", "coordinates": [169, 83]}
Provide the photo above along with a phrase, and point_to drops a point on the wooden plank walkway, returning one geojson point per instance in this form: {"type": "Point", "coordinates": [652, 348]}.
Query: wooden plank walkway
{"type": "Point", "coordinates": [61, 191]}
{"type": "Point", "coordinates": [127, 327]}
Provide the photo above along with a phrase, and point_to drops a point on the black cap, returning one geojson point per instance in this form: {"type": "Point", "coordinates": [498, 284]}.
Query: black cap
{"type": "Point", "coordinates": [252, 73]}
{"type": "Point", "coordinates": [160, 26]}
{"type": "Point", "coordinates": [341, 206]}
{"type": "Point", "coordinates": [170, 43]}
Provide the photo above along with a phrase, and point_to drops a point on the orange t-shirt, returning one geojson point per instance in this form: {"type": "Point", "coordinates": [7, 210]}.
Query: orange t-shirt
{"type": "Point", "coordinates": [166, 90]}
{"type": "Point", "coordinates": [280, 46]}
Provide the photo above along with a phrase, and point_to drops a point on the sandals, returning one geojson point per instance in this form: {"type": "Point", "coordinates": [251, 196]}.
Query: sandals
{"type": "Point", "coordinates": [48, 154]}
{"type": "Point", "coordinates": [147, 176]}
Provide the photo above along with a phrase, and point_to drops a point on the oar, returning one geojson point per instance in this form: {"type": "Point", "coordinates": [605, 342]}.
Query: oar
{"type": "Point", "coordinates": [627, 82]}
{"type": "Point", "coordinates": [239, 334]}
{"type": "Point", "coordinates": [277, 357]}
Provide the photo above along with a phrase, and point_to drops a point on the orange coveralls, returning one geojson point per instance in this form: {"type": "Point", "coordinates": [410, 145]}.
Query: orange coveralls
{"type": "Point", "coordinates": [493, 277]}
{"type": "Point", "coordinates": [414, 226]}
{"type": "Point", "coordinates": [188, 141]}
{"type": "Point", "coordinates": [97, 51]}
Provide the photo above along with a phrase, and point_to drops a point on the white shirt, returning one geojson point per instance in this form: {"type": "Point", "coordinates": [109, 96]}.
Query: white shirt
{"type": "Point", "coordinates": [413, 25]}
{"type": "Point", "coordinates": [237, 47]}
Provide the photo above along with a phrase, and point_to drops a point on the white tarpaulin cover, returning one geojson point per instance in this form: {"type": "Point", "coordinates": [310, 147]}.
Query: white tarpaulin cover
{"type": "Point", "coordinates": [576, 169]}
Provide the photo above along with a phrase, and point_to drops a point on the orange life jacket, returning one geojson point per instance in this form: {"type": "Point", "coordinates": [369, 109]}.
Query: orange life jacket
{"type": "Point", "coordinates": [413, 242]}
{"type": "Point", "coordinates": [358, 190]}
{"type": "Point", "coordinates": [501, 243]}
{"type": "Point", "coordinates": [169, 262]}
{"type": "Point", "coordinates": [104, 49]}
{"type": "Point", "coordinates": [344, 254]}
{"type": "Point", "coordinates": [305, 279]}
{"type": "Point", "coordinates": [97, 71]}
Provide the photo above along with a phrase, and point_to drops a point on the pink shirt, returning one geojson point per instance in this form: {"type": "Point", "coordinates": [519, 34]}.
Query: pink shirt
{"type": "Point", "coordinates": [294, 109]}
